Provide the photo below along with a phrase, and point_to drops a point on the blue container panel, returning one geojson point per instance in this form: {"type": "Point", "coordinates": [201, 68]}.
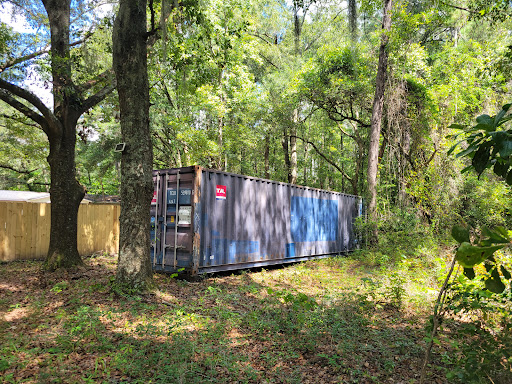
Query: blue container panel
{"type": "Point", "coordinates": [314, 219]}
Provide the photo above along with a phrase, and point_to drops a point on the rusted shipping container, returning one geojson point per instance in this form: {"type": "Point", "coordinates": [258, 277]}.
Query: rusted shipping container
{"type": "Point", "coordinates": [205, 220]}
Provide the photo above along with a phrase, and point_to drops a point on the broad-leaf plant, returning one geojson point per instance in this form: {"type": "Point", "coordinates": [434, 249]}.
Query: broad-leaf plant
{"type": "Point", "coordinates": [489, 145]}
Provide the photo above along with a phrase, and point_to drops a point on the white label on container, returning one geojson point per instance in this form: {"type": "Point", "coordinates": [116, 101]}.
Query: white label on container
{"type": "Point", "coordinates": [185, 215]}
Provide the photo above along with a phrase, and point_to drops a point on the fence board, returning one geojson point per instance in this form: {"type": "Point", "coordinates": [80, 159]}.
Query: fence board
{"type": "Point", "coordinates": [4, 247]}
{"type": "Point", "coordinates": [16, 212]}
{"type": "Point", "coordinates": [43, 236]}
{"type": "Point", "coordinates": [33, 242]}
{"type": "Point", "coordinates": [25, 229]}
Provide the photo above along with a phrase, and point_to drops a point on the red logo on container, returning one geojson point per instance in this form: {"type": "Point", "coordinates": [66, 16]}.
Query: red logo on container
{"type": "Point", "coordinates": [220, 192]}
{"type": "Point", "coordinates": [154, 198]}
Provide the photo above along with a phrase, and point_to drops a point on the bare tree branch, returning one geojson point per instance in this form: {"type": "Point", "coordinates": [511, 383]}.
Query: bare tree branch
{"type": "Point", "coordinates": [32, 99]}
{"type": "Point", "coordinates": [9, 99]}
{"type": "Point", "coordinates": [98, 97]}
{"type": "Point", "coordinates": [153, 35]}
{"type": "Point", "coordinates": [12, 62]}
{"type": "Point", "coordinates": [266, 39]}
{"type": "Point", "coordinates": [167, 94]}
{"type": "Point", "coordinates": [19, 120]}
{"type": "Point", "coordinates": [459, 8]}
{"type": "Point", "coordinates": [23, 171]}
{"type": "Point", "coordinates": [310, 44]}
{"type": "Point", "coordinates": [109, 73]}
{"type": "Point", "coordinates": [324, 157]}
{"type": "Point", "coordinates": [342, 130]}
{"type": "Point", "coordinates": [268, 61]}
{"type": "Point", "coordinates": [342, 118]}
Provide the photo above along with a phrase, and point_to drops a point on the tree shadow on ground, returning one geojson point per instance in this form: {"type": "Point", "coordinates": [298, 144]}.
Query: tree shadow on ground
{"type": "Point", "coordinates": [249, 327]}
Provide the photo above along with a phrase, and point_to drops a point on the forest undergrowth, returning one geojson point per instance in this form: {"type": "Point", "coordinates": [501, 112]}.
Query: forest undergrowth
{"type": "Point", "coordinates": [360, 318]}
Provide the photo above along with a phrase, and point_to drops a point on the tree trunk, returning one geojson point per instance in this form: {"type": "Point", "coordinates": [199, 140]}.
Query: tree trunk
{"type": "Point", "coordinates": [378, 102]}
{"type": "Point", "coordinates": [267, 155]}
{"type": "Point", "coordinates": [221, 162]}
{"type": "Point", "coordinates": [285, 144]}
{"type": "Point", "coordinates": [352, 19]}
{"type": "Point", "coordinates": [292, 179]}
{"type": "Point", "coordinates": [130, 65]}
{"type": "Point", "coordinates": [305, 162]}
{"type": "Point", "coordinates": [66, 193]}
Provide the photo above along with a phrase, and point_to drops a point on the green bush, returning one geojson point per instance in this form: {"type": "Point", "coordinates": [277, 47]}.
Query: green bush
{"type": "Point", "coordinates": [485, 202]}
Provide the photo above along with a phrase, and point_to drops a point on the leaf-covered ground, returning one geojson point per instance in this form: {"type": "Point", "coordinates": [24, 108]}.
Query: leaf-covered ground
{"type": "Point", "coordinates": [326, 321]}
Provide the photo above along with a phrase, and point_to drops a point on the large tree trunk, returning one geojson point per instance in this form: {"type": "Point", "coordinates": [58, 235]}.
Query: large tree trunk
{"type": "Point", "coordinates": [378, 103]}
{"type": "Point", "coordinates": [352, 19]}
{"type": "Point", "coordinates": [130, 65]}
{"type": "Point", "coordinates": [292, 179]}
{"type": "Point", "coordinates": [65, 191]}
{"type": "Point", "coordinates": [66, 194]}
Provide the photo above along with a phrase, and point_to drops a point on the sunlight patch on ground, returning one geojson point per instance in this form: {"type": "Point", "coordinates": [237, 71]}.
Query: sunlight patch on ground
{"type": "Point", "coordinates": [16, 314]}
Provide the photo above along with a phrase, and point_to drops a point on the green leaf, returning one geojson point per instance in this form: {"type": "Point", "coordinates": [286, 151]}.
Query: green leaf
{"type": "Point", "coordinates": [508, 179]}
{"type": "Point", "coordinates": [467, 151]}
{"type": "Point", "coordinates": [469, 273]}
{"type": "Point", "coordinates": [484, 127]}
{"type": "Point", "coordinates": [460, 233]}
{"type": "Point", "coordinates": [485, 120]}
{"type": "Point", "coordinates": [496, 236]}
{"type": "Point", "coordinates": [502, 231]}
{"type": "Point", "coordinates": [502, 141]}
{"type": "Point", "coordinates": [494, 283]}
{"type": "Point", "coordinates": [505, 273]}
{"type": "Point", "coordinates": [501, 168]}
{"type": "Point", "coordinates": [501, 113]}
{"type": "Point", "coordinates": [457, 126]}
{"type": "Point", "coordinates": [504, 120]}
{"type": "Point", "coordinates": [481, 158]}
{"type": "Point", "coordinates": [469, 255]}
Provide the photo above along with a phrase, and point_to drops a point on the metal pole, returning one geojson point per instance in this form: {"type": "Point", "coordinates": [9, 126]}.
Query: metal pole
{"type": "Point", "coordinates": [164, 246]}
{"type": "Point", "coordinates": [156, 218]}
{"type": "Point", "coordinates": [176, 220]}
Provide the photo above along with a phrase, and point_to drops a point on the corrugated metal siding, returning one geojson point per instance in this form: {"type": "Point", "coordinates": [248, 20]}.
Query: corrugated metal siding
{"type": "Point", "coordinates": [241, 221]}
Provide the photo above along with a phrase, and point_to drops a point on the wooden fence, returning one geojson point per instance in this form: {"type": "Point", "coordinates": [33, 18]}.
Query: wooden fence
{"type": "Point", "coordinates": [25, 229]}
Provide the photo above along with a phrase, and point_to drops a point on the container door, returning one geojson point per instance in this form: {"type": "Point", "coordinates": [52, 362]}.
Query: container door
{"type": "Point", "coordinates": [155, 250]}
{"type": "Point", "coordinates": [177, 231]}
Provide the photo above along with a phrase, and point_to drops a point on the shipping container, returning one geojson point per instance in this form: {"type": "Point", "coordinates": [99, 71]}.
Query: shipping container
{"type": "Point", "coordinates": [205, 220]}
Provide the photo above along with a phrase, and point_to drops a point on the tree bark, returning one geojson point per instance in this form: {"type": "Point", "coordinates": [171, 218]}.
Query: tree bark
{"type": "Point", "coordinates": [352, 19]}
{"type": "Point", "coordinates": [378, 103]}
{"type": "Point", "coordinates": [130, 65]}
{"type": "Point", "coordinates": [285, 144]}
{"type": "Point", "coordinates": [66, 193]}
{"type": "Point", "coordinates": [267, 155]}
{"type": "Point", "coordinates": [292, 179]}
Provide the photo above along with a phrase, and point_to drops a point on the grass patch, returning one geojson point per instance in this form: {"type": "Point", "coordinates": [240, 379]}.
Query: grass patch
{"type": "Point", "coordinates": [336, 320]}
